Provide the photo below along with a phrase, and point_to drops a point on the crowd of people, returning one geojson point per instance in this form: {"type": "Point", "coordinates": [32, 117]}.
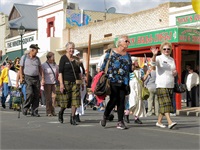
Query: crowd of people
{"type": "Point", "coordinates": [67, 84]}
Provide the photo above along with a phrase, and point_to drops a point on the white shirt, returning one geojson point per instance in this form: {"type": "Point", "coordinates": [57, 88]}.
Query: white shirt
{"type": "Point", "coordinates": [101, 61]}
{"type": "Point", "coordinates": [165, 66]}
{"type": "Point", "coordinates": [192, 80]}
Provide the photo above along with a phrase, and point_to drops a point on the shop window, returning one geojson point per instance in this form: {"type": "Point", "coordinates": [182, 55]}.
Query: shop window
{"type": "Point", "coordinates": [97, 52]}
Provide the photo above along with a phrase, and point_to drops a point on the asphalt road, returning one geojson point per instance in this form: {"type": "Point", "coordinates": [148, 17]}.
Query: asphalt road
{"type": "Point", "coordinates": [47, 133]}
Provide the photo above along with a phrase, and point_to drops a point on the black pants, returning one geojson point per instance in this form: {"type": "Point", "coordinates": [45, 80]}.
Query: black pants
{"type": "Point", "coordinates": [117, 97]}
{"type": "Point", "coordinates": [192, 97]}
{"type": "Point", "coordinates": [32, 92]}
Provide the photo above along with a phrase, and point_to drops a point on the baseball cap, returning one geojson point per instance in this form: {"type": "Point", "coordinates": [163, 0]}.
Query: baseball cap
{"type": "Point", "coordinates": [35, 46]}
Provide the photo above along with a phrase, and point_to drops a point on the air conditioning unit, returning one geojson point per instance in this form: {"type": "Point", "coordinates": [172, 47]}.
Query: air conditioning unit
{"type": "Point", "coordinates": [72, 6]}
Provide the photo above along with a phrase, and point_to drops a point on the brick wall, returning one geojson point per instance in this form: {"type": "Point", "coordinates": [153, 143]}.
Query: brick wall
{"type": "Point", "coordinates": [134, 23]}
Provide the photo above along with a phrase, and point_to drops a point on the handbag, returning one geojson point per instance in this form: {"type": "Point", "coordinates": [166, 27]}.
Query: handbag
{"type": "Point", "coordinates": [145, 92]}
{"type": "Point", "coordinates": [179, 88]}
{"type": "Point", "coordinates": [102, 87]}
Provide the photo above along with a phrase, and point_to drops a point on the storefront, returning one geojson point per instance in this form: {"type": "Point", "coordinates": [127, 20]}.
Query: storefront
{"type": "Point", "coordinates": [184, 40]}
{"type": "Point", "coordinates": [13, 45]}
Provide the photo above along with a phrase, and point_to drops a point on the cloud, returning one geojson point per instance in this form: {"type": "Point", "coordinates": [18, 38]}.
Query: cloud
{"type": "Point", "coordinates": [122, 6]}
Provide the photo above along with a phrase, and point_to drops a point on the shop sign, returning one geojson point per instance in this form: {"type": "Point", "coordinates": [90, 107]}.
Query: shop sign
{"type": "Point", "coordinates": [186, 19]}
{"type": "Point", "coordinates": [172, 35]}
{"type": "Point", "coordinates": [189, 35]}
{"type": "Point", "coordinates": [153, 38]}
{"type": "Point", "coordinates": [18, 42]}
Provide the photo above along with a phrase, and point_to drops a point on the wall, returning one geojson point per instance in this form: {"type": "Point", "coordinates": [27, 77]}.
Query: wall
{"type": "Point", "coordinates": [175, 12]}
{"type": "Point", "coordinates": [53, 10]}
{"type": "Point", "coordinates": [4, 31]}
{"type": "Point", "coordinates": [85, 17]}
{"type": "Point", "coordinates": [134, 23]}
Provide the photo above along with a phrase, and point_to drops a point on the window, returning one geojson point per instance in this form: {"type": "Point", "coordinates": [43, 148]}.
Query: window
{"type": "Point", "coordinates": [50, 27]}
{"type": "Point", "coordinates": [96, 52]}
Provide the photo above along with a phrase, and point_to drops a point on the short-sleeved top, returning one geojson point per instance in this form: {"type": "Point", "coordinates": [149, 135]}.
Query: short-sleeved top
{"type": "Point", "coordinates": [119, 67]}
{"type": "Point", "coordinates": [164, 68]}
{"type": "Point", "coordinates": [66, 69]}
{"type": "Point", "coordinates": [31, 65]}
{"type": "Point", "coordinates": [49, 76]}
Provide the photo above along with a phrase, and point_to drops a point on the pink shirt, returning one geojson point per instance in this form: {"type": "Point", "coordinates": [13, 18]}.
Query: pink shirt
{"type": "Point", "coordinates": [49, 77]}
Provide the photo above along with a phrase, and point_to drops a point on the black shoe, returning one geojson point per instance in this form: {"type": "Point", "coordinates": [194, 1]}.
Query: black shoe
{"type": "Point", "coordinates": [77, 118]}
{"type": "Point", "coordinates": [35, 113]}
{"type": "Point", "coordinates": [4, 106]}
{"type": "Point", "coordinates": [121, 125]}
{"type": "Point", "coordinates": [103, 122]}
{"type": "Point", "coordinates": [111, 117]}
{"type": "Point", "coordinates": [73, 120]}
{"type": "Point", "coordinates": [126, 118]}
{"type": "Point", "coordinates": [60, 117]}
{"type": "Point", "coordinates": [138, 121]}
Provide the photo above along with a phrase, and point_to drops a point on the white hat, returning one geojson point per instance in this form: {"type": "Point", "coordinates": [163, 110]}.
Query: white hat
{"type": "Point", "coordinates": [76, 52]}
{"type": "Point", "coordinates": [134, 59]}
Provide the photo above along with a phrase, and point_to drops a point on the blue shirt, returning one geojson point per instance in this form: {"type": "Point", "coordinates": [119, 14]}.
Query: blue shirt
{"type": "Point", "coordinates": [119, 67]}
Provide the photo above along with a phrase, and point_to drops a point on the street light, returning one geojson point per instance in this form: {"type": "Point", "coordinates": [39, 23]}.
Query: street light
{"type": "Point", "coordinates": [21, 32]}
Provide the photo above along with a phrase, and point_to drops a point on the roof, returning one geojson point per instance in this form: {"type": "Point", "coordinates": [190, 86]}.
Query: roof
{"type": "Point", "coordinates": [28, 16]}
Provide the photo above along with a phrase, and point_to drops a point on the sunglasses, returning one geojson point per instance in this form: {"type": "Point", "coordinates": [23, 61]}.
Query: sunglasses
{"type": "Point", "coordinates": [166, 49]}
{"type": "Point", "coordinates": [127, 41]}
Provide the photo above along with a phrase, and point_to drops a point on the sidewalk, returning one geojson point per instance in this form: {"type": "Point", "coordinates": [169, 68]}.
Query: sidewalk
{"type": "Point", "coordinates": [188, 111]}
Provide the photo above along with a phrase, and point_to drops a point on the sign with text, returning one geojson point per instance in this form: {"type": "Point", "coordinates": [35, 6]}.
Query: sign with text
{"type": "Point", "coordinates": [18, 42]}
{"type": "Point", "coordinates": [186, 19]}
{"type": "Point", "coordinates": [172, 35]}
{"type": "Point", "coordinates": [189, 35]}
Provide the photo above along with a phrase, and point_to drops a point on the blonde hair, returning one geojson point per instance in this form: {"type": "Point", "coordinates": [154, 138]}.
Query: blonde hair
{"type": "Point", "coordinates": [165, 43]}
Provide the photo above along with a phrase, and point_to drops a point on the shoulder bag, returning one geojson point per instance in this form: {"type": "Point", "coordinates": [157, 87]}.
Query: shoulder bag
{"type": "Point", "coordinates": [145, 92]}
{"type": "Point", "coordinates": [79, 82]}
{"type": "Point", "coordinates": [102, 87]}
{"type": "Point", "coordinates": [57, 82]}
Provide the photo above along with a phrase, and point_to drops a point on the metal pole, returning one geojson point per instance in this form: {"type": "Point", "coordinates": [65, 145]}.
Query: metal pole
{"type": "Point", "coordinates": [21, 46]}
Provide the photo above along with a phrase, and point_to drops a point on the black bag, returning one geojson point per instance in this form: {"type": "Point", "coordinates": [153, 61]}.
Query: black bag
{"type": "Point", "coordinates": [103, 86]}
{"type": "Point", "coordinates": [179, 88]}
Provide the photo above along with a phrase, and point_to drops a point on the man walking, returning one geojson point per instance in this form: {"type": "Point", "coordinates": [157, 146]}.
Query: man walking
{"type": "Point", "coordinates": [30, 68]}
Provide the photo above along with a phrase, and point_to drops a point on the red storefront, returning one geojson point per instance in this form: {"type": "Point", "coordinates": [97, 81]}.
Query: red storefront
{"type": "Point", "coordinates": [184, 41]}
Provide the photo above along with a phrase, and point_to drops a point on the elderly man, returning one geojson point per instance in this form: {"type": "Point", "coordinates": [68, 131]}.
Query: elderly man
{"type": "Point", "coordinates": [30, 68]}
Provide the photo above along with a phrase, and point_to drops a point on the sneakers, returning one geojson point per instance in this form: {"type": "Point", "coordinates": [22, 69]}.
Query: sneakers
{"type": "Point", "coordinates": [160, 125]}
{"type": "Point", "coordinates": [172, 125]}
{"type": "Point", "coordinates": [173, 114]}
{"type": "Point", "coordinates": [138, 121]}
{"type": "Point", "coordinates": [121, 125]}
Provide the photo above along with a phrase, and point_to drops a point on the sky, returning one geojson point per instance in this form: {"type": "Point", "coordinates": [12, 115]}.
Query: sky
{"type": "Point", "coordinates": [121, 6]}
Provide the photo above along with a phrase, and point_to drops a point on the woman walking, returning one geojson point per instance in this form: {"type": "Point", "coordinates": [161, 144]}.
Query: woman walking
{"type": "Point", "coordinates": [165, 73]}
{"type": "Point", "coordinates": [69, 73]}
{"type": "Point", "coordinates": [118, 73]}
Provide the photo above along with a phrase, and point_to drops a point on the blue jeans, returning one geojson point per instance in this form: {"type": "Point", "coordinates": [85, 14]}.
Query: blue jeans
{"type": "Point", "coordinates": [5, 92]}
{"type": "Point", "coordinates": [23, 88]}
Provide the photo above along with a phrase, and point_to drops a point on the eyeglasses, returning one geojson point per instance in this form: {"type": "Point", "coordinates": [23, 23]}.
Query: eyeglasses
{"type": "Point", "coordinates": [127, 41]}
{"type": "Point", "coordinates": [166, 49]}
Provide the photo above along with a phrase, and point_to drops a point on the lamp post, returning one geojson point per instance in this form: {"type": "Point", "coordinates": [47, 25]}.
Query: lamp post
{"type": "Point", "coordinates": [21, 32]}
